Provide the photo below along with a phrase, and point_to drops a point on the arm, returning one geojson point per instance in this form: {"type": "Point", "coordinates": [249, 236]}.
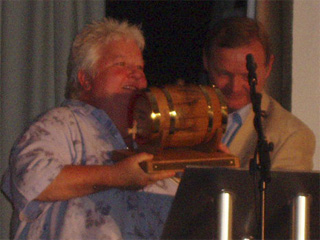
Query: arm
{"type": "Point", "coordinates": [76, 181]}
{"type": "Point", "coordinates": [295, 152]}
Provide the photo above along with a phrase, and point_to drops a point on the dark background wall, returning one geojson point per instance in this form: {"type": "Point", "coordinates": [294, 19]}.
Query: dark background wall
{"type": "Point", "coordinates": [174, 32]}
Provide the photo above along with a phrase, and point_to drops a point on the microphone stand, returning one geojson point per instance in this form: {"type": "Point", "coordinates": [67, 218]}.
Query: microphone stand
{"type": "Point", "coordinates": [261, 160]}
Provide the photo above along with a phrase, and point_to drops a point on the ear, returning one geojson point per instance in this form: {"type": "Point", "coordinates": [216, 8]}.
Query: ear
{"type": "Point", "coordinates": [84, 80]}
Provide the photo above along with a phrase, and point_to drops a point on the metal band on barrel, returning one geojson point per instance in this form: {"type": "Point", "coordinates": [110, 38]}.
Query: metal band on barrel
{"type": "Point", "coordinates": [172, 127]}
{"type": "Point", "coordinates": [223, 107]}
{"type": "Point", "coordinates": [210, 108]}
{"type": "Point", "coordinates": [155, 111]}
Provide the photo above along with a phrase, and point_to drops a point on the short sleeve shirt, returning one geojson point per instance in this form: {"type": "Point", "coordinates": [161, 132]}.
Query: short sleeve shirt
{"type": "Point", "coordinates": [78, 134]}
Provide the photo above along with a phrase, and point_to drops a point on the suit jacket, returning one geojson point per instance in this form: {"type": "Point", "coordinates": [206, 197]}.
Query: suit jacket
{"type": "Point", "coordinates": [294, 142]}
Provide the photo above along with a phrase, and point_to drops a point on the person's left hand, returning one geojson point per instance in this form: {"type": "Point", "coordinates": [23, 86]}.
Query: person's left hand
{"type": "Point", "coordinates": [223, 148]}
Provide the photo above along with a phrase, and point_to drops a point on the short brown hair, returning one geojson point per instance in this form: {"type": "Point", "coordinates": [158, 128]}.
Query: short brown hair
{"type": "Point", "coordinates": [236, 32]}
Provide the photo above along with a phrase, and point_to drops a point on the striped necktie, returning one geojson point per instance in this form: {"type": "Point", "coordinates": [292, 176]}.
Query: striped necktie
{"type": "Point", "coordinates": [232, 129]}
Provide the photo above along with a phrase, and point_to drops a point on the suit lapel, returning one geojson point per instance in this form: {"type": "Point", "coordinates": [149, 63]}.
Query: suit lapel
{"type": "Point", "coordinates": [244, 143]}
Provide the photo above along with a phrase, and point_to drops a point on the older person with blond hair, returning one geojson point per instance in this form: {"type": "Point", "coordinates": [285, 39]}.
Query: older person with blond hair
{"type": "Point", "coordinates": [62, 181]}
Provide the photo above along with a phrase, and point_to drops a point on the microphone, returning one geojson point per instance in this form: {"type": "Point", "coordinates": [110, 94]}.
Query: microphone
{"type": "Point", "coordinates": [251, 67]}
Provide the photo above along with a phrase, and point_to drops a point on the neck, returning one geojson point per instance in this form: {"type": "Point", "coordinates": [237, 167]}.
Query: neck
{"type": "Point", "coordinates": [120, 119]}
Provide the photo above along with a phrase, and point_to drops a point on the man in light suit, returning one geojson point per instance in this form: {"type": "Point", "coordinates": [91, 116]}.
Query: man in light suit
{"type": "Point", "coordinates": [225, 59]}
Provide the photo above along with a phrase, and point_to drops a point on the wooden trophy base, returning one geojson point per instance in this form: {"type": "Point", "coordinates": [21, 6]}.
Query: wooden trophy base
{"type": "Point", "coordinates": [179, 159]}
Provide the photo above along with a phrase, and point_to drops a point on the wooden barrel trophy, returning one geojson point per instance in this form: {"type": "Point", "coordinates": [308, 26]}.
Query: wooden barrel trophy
{"type": "Point", "coordinates": [181, 125]}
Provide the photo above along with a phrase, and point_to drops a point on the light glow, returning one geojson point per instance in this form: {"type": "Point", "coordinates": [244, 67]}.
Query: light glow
{"type": "Point", "coordinates": [173, 113]}
{"type": "Point", "coordinates": [301, 218]}
{"type": "Point", "coordinates": [155, 115]}
{"type": "Point", "coordinates": [225, 216]}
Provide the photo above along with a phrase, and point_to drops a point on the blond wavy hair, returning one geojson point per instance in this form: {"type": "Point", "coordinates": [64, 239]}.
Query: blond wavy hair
{"type": "Point", "coordinates": [86, 45]}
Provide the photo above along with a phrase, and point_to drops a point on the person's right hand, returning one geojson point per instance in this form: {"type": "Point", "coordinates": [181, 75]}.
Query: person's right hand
{"type": "Point", "coordinates": [130, 175]}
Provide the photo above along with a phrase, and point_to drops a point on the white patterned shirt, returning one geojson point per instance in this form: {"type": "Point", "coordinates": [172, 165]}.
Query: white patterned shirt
{"type": "Point", "coordinates": [78, 134]}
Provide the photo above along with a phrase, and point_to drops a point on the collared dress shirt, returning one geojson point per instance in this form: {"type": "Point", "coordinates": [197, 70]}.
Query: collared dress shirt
{"type": "Point", "coordinates": [235, 121]}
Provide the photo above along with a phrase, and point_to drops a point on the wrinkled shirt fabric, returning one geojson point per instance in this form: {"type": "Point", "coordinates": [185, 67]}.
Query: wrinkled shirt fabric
{"type": "Point", "coordinates": [78, 134]}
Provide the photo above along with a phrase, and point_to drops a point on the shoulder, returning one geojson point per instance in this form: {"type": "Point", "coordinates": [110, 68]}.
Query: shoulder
{"type": "Point", "coordinates": [56, 117]}
{"type": "Point", "coordinates": [64, 115]}
{"type": "Point", "coordinates": [47, 125]}
{"type": "Point", "coordinates": [51, 124]}
{"type": "Point", "coordinates": [280, 120]}
{"type": "Point", "coordinates": [294, 142]}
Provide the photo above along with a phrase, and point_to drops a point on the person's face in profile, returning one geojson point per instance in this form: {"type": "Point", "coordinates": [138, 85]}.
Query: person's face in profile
{"type": "Point", "coordinates": [120, 72]}
{"type": "Point", "coordinates": [227, 70]}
